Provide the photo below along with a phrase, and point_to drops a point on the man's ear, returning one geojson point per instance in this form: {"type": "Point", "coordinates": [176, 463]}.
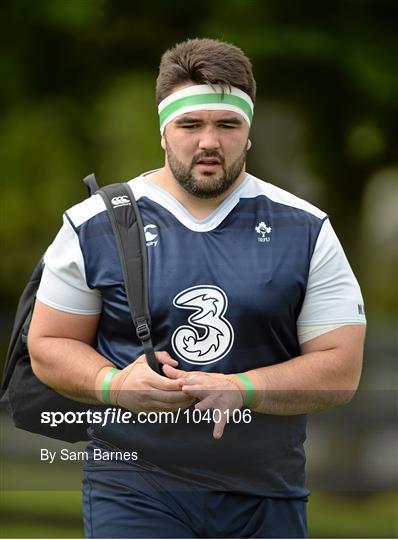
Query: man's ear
{"type": "Point", "coordinates": [163, 142]}
{"type": "Point", "coordinates": [249, 144]}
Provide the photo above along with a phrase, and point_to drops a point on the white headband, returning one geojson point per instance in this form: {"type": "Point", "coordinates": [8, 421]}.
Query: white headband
{"type": "Point", "coordinates": [204, 97]}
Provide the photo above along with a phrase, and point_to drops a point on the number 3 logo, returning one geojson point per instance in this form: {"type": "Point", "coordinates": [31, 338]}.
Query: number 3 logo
{"type": "Point", "coordinates": [215, 340]}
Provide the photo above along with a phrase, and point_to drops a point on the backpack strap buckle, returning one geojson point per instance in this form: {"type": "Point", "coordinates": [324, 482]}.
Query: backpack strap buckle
{"type": "Point", "coordinates": [143, 331]}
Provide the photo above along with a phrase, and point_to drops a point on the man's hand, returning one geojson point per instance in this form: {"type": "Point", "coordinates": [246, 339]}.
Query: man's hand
{"type": "Point", "coordinates": [213, 390]}
{"type": "Point", "coordinates": [138, 388]}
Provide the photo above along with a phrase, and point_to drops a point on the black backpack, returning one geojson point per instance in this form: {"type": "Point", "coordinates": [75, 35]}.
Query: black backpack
{"type": "Point", "coordinates": [26, 396]}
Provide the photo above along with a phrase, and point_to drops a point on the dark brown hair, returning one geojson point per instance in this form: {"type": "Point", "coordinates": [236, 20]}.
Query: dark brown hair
{"type": "Point", "coordinates": [205, 61]}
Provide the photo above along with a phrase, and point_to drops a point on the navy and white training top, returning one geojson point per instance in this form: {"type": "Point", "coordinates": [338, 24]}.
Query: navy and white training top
{"type": "Point", "coordinates": [238, 290]}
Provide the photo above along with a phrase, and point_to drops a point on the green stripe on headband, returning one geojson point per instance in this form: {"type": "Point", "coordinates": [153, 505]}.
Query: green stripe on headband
{"type": "Point", "coordinates": [205, 99]}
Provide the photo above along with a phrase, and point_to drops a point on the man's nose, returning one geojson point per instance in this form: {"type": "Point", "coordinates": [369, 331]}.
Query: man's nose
{"type": "Point", "coordinates": [209, 139]}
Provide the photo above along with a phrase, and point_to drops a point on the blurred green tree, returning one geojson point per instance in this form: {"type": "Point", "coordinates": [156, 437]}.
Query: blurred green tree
{"type": "Point", "coordinates": [77, 95]}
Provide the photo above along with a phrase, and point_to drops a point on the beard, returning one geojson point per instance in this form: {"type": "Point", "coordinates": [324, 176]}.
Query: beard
{"type": "Point", "coordinates": [206, 186]}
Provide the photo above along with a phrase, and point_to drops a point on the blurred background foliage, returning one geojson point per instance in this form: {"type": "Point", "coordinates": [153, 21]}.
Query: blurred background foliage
{"type": "Point", "coordinates": [77, 95]}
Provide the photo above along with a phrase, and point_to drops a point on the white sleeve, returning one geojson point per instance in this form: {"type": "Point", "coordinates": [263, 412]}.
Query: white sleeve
{"type": "Point", "coordinates": [63, 284]}
{"type": "Point", "coordinates": [333, 297]}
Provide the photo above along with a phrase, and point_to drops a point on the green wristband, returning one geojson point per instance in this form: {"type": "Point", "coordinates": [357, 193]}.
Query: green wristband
{"type": "Point", "coordinates": [249, 388]}
{"type": "Point", "coordinates": [106, 385]}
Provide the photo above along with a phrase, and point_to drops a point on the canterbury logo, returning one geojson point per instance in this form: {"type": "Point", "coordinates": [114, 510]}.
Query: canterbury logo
{"type": "Point", "coordinates": [121, 200]}
{"type": "Point", "coordinates": [208, 336]}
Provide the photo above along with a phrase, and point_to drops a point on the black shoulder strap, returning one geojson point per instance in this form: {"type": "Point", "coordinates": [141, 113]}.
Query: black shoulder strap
{"type": "Point", "coordinates": [91, 184]}
{"type": "Point", "coordinates": [128, 228]}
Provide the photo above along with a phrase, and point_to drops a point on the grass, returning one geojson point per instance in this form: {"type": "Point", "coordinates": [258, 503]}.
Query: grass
{"type": "Point", "coordinates": [57, 514]}
{"type": "Point", "coordinates": [41, 514]}
{"type": "Point", "coordinates": [363, 515]}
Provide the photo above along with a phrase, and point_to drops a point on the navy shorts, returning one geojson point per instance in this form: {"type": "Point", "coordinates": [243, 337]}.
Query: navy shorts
{"type": "Point", "coordinates": [121, 501]}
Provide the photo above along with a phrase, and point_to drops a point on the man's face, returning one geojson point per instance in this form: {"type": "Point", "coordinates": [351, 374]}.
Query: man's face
{"type": "Point", "coordinates": [206, 151]}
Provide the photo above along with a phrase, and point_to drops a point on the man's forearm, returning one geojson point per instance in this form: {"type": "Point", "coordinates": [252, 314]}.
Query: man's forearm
{"type": "Point", "coordinates": [307, 383]}
{"type": "Point", "coordinates": [69, 366]}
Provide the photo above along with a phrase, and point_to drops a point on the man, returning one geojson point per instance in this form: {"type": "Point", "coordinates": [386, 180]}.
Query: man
{"type": "Point", "coordinates": [255, 312]}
